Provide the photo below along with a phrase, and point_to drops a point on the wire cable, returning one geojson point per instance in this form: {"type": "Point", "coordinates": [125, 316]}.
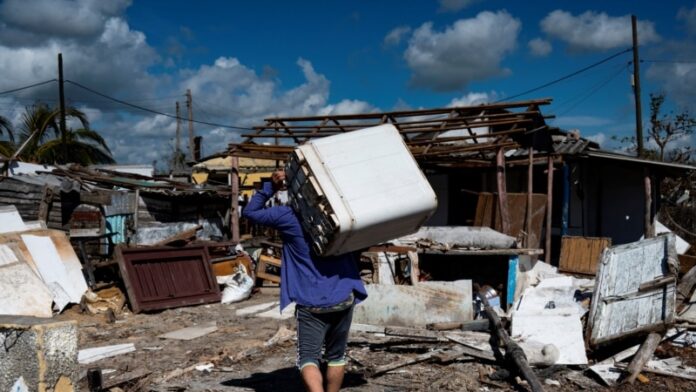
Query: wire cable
{"type": "Point", "coordinates": [577, 100]}
{"type": "Point", "coordinates": [155, 111]}
{"type": "Point", "coordinates": [14, 90]}
{"type": "Point", "coordinates": [568, 76]}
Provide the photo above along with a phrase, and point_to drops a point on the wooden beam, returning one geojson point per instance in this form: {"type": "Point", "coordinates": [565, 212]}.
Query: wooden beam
{"type": "Point", "coordinates": [502, 190]}
{"type": "Point", "coordinates": [530, 192]}
{"type": "Point", "coordinates": [234, 182]}
{"type": "Point", "coordinates": [649, 230]}
{"type": "Point", "coordinates": [549, 208]}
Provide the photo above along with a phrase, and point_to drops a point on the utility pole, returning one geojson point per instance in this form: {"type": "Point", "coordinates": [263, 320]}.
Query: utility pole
{"type": "Point", "coordinates": [636, 87]}
{"type": "Point", "coordinates": [189, 106]}
{"type": "Point", "coordinates": [178, 129]}
{"type": "Point", "coordinates": [61, 97]}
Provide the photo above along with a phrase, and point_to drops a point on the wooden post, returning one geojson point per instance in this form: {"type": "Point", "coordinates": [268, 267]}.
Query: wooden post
{"type": "Point", "coordinates": [61, 101]}
{"type": "Point", "coordinates": [513, 352]}
{"type": "Point", "coordinates": [178, 129]}
{"type": "Point", "coordinates": [649, 231]}
{"type": "Point", "coordinates": [530, 192]}
{"type": "Point", "coordinates": [502, 191]}
{"type": "Point", "coordinates": [189, 106]}
{"type": "Point", "coordinates": [645, 352]}
{"type": "Point", "coordinates": [234, 179]}
{"type": "Point", "coordinates": [549, 207]}
{"type": "Point", "coordinates": [636, 87]}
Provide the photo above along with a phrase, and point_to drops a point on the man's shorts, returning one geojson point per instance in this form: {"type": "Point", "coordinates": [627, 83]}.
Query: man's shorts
{"type": "Point", "coordinates": [329, 330]}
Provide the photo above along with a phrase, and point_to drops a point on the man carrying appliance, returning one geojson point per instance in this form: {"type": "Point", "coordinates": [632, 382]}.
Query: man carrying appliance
{"type": "Point", "coordinates": [324, 289]}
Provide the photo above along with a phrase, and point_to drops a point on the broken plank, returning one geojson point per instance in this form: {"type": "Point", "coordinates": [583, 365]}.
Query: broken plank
{"type": "Point", "coordinates": [411, 332]}
{"type": "Point", "coordinates": [459, 351]}
{"type": "Point", "coordinates": [474, 325]}
{"type": "Point", "coordinates": [125, 378]}
{"type": "Point", "coordinates": [379, 370]}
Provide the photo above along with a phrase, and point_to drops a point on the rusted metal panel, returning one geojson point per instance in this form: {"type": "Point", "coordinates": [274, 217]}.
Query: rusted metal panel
{"type": "Point", "coordinates": [581, 255]}
{"type": "Point", "coordinates": [164, 277]}
{"type": "Point", "coordinates": [632, 294]}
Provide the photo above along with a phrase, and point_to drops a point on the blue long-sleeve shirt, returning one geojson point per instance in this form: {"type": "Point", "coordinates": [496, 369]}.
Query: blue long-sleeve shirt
{"type": "Point", "coordinates": [306, 279]}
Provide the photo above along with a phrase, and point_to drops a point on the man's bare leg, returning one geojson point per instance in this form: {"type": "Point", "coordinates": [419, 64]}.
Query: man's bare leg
{"type": "Point", "coordinates": [334, 378]}
{"type": "Point", "coordinates": [311, 375]}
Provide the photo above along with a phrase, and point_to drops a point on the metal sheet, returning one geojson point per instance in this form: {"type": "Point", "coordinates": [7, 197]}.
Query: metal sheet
{"type": "Point", "coordinates": [163, 277]}
{"type": "Point", "coordinates": [415, 306]}
{"type": "Point", "coordinates": [117, 224]}
{"type": "Point", "coordinates": [618, 308]}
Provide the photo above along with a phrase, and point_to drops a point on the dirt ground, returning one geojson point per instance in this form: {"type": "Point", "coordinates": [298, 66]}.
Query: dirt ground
{"type": "Point", "coordinates": [243, 362]}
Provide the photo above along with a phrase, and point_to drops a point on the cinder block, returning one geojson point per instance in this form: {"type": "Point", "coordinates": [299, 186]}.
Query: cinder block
{"type": "Point", "coordinates": [43, 352]}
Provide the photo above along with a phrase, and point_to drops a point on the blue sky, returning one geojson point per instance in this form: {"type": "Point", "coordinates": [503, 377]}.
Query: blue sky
{"type": "Point", "coordinates": [247, 60]}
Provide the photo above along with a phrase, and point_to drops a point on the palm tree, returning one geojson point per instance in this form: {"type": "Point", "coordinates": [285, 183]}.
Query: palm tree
{"type": "Point", "coordinates": [6, 146]}
{"type": "Point", "coordinates": [47, 144]}
{"type": "Point", "coordinates": [84, 146]}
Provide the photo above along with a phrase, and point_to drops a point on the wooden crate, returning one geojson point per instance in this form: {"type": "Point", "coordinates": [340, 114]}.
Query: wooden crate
{"type": "Point", "coordinates": [262, 273]}
{"type": "Point", "coordinates": [580, 255]}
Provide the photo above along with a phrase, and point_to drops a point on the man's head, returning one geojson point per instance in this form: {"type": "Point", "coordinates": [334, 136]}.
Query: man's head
{"type": "Point", "coordinates": [278, 180]}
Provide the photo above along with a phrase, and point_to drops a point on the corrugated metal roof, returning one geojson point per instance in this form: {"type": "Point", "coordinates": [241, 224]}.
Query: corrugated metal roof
{"type": "Point", "coordinates": [627, 158]}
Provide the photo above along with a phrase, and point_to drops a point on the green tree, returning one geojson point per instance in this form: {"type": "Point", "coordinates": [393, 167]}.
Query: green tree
{"type": "Point", "coordinates": [47, 144]}
{"type": "Point", "coordinates": [6, 146]}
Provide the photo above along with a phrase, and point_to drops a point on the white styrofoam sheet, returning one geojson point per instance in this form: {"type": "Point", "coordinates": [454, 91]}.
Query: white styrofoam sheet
{"type": "Point", "coordinates": [23, 293]}
{"type": "Point", "coordinates": [11, 220]}
{"type": "Point", "coordinates": [535, 323]}
{"type": "Point", "coordinates": [59, 268]}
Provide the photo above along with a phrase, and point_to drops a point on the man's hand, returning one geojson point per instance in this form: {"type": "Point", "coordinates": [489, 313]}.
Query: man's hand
{"type": "Point", "coordinates": [278, 180]}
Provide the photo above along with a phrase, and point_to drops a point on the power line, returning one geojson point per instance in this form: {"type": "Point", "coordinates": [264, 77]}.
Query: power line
{"type": "Point", "coordinates": [568, 76]}
{"type": "Point", "coordinates": [154, 111]}
{"type": "Point", "coordinates": [562, 104]}
{"type": "Point", "coordinates": [593, 91]}
{"type": "Point", "coordinates": [14, 90]}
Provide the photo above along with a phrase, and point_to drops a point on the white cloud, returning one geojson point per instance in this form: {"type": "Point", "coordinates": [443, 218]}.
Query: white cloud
{"type": "Point", "coordinates": [395, 35]}
{"type": "Point", "coordinates": [689, 17]}
{"type": "Point", "coordinates": [473, 98]}
{"type": "Point", "coordinates": [347, 106]}
{"type": "Point", "coordinates": [35, 22]}
{"type": "Point", "coordinates": [455, 5]}
{"type": "Point", "coordinates": [106, 54]}
{"type": "Point", "coordinates": [539, 47]}
{"type": "Point", "coordinates": [596, 31]}
{"type": "Point", "coordinates": [470, 49]}
{"type": "Point", "coordinates": [599, 138]}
